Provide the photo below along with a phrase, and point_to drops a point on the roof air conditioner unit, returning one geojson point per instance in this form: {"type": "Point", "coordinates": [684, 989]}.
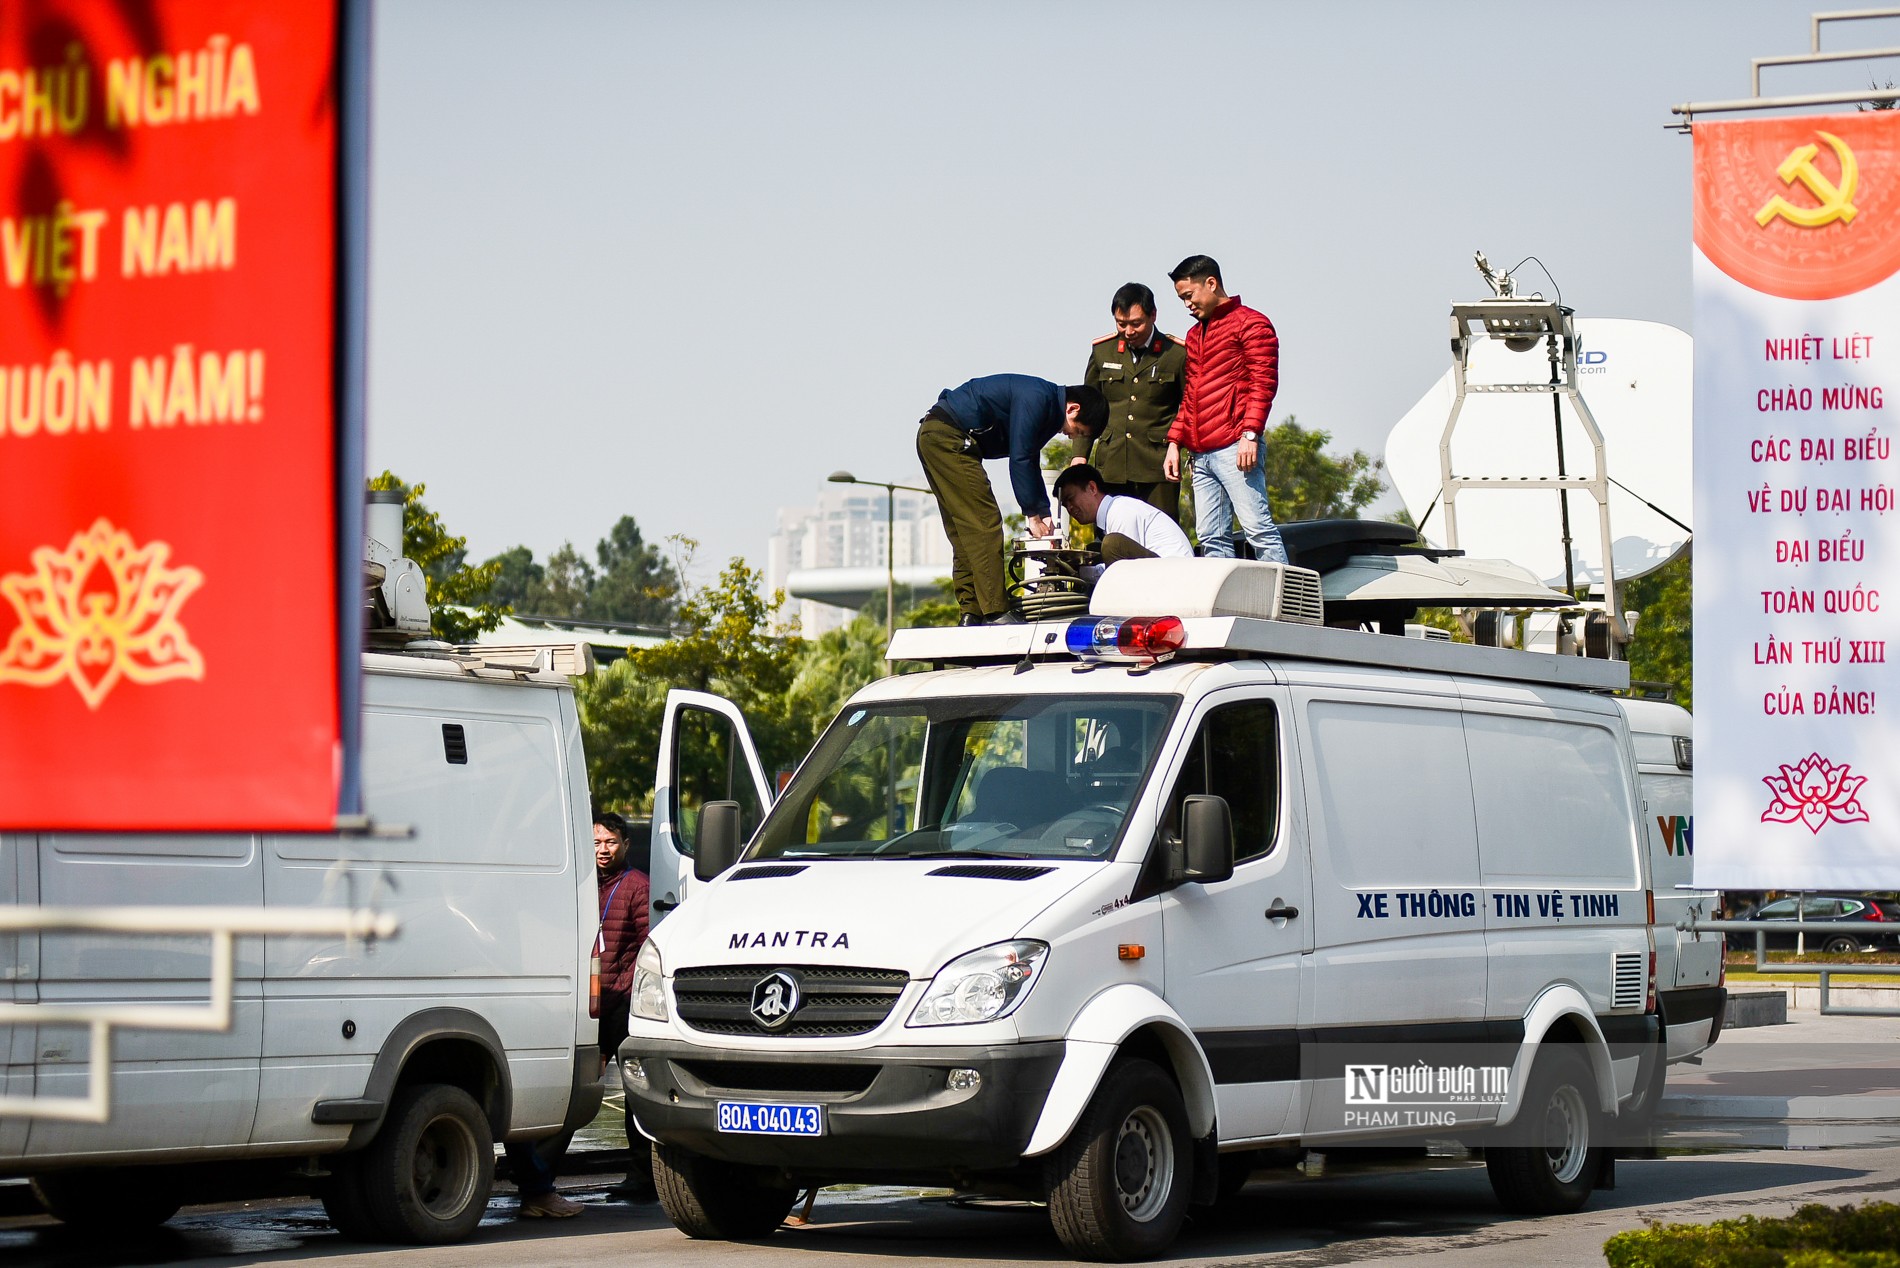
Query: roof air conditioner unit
{"type": "Point", "coordinates": [1208, 587]}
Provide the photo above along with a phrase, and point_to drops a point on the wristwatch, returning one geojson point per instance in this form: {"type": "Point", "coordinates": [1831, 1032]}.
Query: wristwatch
{"type": "Point", "coordinates": [1250, 435]}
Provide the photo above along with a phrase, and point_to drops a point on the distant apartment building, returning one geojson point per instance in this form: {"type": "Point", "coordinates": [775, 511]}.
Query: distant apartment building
{"type": "Point", "coordinates": [830, 558]}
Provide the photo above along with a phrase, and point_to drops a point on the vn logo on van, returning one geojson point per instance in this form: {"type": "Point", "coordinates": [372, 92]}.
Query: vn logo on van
{"type": "Point", "coordinates": [1678, 834]}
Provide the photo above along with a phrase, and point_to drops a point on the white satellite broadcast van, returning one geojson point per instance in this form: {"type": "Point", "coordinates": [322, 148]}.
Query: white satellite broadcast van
{"type": "Point", "coordinates": [1093, 910]}
{"type": "Point", "coordinates": [377, 1077]}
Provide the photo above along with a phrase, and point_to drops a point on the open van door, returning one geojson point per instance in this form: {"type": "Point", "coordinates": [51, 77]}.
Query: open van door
{"type": "Point", "coordinates": [706, 754]}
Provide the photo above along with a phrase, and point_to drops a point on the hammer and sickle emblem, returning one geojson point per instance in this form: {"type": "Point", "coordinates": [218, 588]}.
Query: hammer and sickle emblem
{"type": "Point", "coordinates": [1799, 166]}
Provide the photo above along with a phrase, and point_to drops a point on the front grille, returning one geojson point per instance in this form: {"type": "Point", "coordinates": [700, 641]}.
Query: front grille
{"type": "Point", "coordinates": [833, 1002]}
{"type": "Point", "coordinates": [774, 1076]}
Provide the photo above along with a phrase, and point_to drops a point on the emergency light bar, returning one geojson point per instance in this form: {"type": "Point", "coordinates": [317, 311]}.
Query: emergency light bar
{"type": "Point", "coordinates": [1146, 639]}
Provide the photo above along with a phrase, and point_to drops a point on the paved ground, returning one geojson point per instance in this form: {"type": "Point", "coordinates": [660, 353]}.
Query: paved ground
{"type": "Point", "coordinates": [1839, 1071]}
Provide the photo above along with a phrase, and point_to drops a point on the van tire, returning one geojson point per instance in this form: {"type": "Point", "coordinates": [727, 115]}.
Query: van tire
{"type": "Point", "coordinates": [1555, 1174]}
{"type": "Point", "coordinates": [343, 1200]}
{"type": "Point", "coordinates": [426, 1176]}
{"type": "Point", "coordinates": [109, 1202]}
{"type": "Point", "coordinates": [713, 1200]}
{"type": "Point", "coordinates": [1119, 1185]}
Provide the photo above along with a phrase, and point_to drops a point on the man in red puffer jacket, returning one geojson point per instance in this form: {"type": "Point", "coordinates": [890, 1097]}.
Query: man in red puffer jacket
{"type": "Point", "coordinates": [1233, 370]}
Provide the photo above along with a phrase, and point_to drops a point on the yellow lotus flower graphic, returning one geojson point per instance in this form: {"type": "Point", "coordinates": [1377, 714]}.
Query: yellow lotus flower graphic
{"type": "Point", "coordinates": [102, 610]}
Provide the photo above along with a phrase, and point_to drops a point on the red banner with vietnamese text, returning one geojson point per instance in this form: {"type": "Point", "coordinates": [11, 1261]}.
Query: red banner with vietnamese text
{"type": "Point", "coordinates": [168, 622]}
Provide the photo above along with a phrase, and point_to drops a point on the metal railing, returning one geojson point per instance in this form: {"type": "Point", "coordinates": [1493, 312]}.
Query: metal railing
{"type": "Point", "coordinates": [1762, 928]}
{"type": "Point", "coordinates": [221, 924]}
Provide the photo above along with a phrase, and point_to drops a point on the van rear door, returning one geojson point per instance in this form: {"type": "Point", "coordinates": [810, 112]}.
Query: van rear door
{"type": "Point", "coordinates": [706, 754]}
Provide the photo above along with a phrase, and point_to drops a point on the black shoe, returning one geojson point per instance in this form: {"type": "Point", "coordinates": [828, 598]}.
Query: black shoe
{"type": "Point", "coordinates": [1002, 618]}
{"type": "Point", "coordinates": [969, 618]}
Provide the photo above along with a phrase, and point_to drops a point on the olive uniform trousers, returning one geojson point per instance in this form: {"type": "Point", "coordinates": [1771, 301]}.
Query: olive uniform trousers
{"type": "Point", "coordinates": [953, 466]}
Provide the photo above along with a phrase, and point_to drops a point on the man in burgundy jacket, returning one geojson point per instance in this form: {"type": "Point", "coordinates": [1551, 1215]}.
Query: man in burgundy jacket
{"type": "Point", "coordinates": [624, 895]}
{"type": "Point", "coordinates": [1233, 369]}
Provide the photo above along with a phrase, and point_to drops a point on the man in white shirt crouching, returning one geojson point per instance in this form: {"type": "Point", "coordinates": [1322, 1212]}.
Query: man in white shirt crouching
{"type": "Point", "coordinates": [1128, 527]}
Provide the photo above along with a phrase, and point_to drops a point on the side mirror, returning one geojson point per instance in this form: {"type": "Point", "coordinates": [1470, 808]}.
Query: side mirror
{"type": "Point", "coordinates": [719, 839]}
{"type": "Point", "coordinates": [1207, 840]}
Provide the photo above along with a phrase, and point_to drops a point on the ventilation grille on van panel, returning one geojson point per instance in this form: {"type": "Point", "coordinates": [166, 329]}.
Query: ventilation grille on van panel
{"type": "Point", "coordinates": [766, 871]}
{"type": "Point", "coordinates": [1627, 987]}
{"type": "Point", "coordinates": [992, 871]}
{"type": "Point", "coordinates": [1300, 597]}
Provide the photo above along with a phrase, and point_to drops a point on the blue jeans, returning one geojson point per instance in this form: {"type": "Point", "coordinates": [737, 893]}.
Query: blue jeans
{"type": "Point", "coordinates": [1221, 492]}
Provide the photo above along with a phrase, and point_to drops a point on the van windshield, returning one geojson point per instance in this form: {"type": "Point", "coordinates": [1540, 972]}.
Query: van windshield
{"type": "Point", "coordinates": [983, 777]}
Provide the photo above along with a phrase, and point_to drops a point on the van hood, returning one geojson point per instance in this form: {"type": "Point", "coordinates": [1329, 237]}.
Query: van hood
{"type": "Point", "coordinates": [909, 914]}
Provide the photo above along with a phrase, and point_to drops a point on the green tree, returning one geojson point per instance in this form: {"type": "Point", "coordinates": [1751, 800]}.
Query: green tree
{"type": "Point", "coordinates": [635, 583]}
{"type": "Point", "coordinates": [934, 610]}
{"type": "Point", "coordinates": [516, 576]}
{"type": "Point", "coordinates": [1663, 650]}
{"type": "Point", "coordinates": [1304, 482]}
{"type": "Point", "coordinates": [726, 644]}
{"type": "Point", "coordinates": [565, 586]}
{"type": "Point", "coordinates": [831, 668]}
{"type": "Point", "coordinates": [460, 606]}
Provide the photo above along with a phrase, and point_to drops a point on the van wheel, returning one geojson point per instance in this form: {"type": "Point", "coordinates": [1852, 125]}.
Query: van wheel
{"type": "Point", "coordinates": [343, 1200]}
{"type": "Point", "coordinates": [709, 1199]}
{"type": "Point", "coordinates": [425, 1177]}
{"type": "Point", "coordinates": [1554, 1174]}
{"type": "Point", "coordinates": [1119, 1185]}
{"type": "Point", "coordinates": [109, 1201]}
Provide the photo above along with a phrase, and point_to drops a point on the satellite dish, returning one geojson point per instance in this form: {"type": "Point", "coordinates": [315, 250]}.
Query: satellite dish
{"type": "Point", "coordinates": [1636, 378]}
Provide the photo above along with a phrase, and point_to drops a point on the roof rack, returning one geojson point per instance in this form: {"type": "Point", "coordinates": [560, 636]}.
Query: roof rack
{"type": "Point", "coordinates": [1245, 637]}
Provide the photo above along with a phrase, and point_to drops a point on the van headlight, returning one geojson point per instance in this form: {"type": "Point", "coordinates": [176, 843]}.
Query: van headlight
{"type": "Point", "coordinates": [649, 984]}
{"type": "Point", "coordinates": [982, 986]}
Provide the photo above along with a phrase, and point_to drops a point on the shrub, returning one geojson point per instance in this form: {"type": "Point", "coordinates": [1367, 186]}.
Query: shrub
{"type": "Point", "coordinates": [1815, 1236]}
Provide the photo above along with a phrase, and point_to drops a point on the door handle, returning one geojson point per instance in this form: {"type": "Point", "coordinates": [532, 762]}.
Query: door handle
{"type": "Point", "coordinates": [663, 906]}
{"type": "Point", "coordinates": [1280, 911]}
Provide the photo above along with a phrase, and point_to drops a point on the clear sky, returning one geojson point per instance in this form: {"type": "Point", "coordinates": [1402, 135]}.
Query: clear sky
{"type": "Point", "coordinates": [681, 261]}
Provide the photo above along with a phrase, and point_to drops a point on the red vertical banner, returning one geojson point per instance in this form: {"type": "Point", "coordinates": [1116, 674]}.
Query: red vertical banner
{"type": "Point", "coordinates": [168, 266]}
{"type": "Point", "coordinates": [1797, 358]}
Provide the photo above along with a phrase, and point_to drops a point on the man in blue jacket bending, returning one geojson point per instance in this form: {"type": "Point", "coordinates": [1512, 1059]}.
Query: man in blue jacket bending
{"type": "Point", "coordinates": [998, 416]}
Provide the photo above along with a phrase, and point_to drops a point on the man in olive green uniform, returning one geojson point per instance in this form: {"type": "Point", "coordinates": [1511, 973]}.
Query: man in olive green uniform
{"type": "Point", "coordinates": [997, 416]}
{"type": "Point", "coordinates": [1140, 371]}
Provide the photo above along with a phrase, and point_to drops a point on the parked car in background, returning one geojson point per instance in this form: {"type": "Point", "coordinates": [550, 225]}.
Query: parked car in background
{"type": "Point", "coordinates": [1844, 924]}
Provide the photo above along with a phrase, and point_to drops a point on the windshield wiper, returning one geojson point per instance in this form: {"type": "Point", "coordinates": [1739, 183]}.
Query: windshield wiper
{"type": "Point", "coordinates": [957, 854]}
